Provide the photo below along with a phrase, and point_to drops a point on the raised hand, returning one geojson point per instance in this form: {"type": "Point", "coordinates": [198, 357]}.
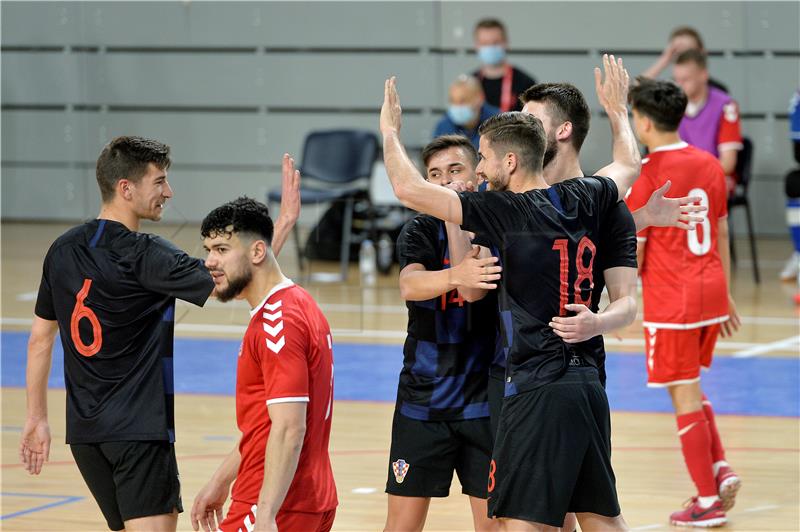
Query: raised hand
{"type": "Point", "coordinates": [391, 113]}
{"type": "Point", "coordinates": [612, 92]}
{"type": "Point", "coordinates": [474, 272]}
{"type": "Point", "coordinates": [290, 190]}
{"type": "Point", "coordinates": [673, 212]}
{"type": "Point", "coordinates": [583, 325]}
{"type": "Point", "coordinates": [34, 445]}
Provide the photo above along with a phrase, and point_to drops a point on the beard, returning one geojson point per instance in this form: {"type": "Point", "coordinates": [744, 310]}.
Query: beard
{"type": "Point", "coordinates": [235, 285]}
{"type": "Point", "coordinates": [498, 181]}
{"type": "Point", "coordinates": [550, 150]}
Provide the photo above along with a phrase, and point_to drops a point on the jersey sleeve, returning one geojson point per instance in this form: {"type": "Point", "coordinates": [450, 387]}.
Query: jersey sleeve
{"type": "Point", "coordinates": [44, 301]}
{"type": "Point", "coordinates": [496, 218]}
{"type": "Point", "coordinates": [418, 243]}
{"type": "Point", "coordinates": [284, 359]}
{"type": "Point", "coordinates": [730, 128]}
{"type": "Point", "coordinates": [603, 190]}
{"type": "Point", "coordinates": [164, 269]}
{"type": "Point", "coordinates": [618, 238]}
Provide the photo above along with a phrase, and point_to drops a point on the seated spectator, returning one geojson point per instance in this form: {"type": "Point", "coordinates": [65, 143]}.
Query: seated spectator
{"type": "Point", "coordinates": [502, 83]}
{"type": "Point", "coordinates": [791, 272]}
{"type": "Point", "coordinates": [711, 121]}
{"type": "Point", "coordinates": [467, 110]}
{"type": "Point", "coordinates": [681, 39]}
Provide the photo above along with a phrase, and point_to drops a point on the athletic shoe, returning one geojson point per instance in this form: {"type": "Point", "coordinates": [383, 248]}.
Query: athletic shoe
{"type": "Point", "coordinates": [728, 483]}
{"type": "Point", "coordinates": [792, 268]}
{"type": "Point", "coordinates": [694, 515]}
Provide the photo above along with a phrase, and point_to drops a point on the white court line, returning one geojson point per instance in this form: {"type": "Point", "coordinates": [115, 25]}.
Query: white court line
{"type": "Point", "coordinates": [27, 296]}
{"type": "Point", "coordinates": [762, 508]}
{"type": "Point", "coordinates": [766, 348]}
{"type": "Point", "coordinates": [364, 491]}
{"type": "Point", "coordinates": [648, 527]}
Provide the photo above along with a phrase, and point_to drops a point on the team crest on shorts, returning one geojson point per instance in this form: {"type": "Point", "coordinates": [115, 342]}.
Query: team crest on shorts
{"type": "Point", "coordinates": [400, 469]}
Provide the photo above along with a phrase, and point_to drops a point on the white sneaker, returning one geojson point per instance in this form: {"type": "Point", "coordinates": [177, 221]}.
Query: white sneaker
{"type": "Point", "coordinates": [791, 270]}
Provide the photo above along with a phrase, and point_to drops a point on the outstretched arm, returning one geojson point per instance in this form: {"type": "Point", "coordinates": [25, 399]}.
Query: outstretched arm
{"type": "Point", "coordinates": [290, 204]}
{"type": "Point", "coordinates": [613, 95]}
{"type": "Point", "coordinates": [669, 212]}
{"type": "Point", "coordinates": [408, 185]}
{"type": "Point", "coordinates": [620, 312]}
{"type": "Point", "coordinates": [34, 445]}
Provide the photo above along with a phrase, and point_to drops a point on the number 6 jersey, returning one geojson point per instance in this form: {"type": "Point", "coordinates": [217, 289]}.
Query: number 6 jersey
{"type": "Point", "coordinates": [683, 282]}
{"type": "Point", "coordinates": [113, 293]}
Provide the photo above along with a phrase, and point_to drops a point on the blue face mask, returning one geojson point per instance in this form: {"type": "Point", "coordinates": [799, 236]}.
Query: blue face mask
{"type": "Point", "coordinates": [461, 114]}
{"type": "Point", "coordinates": [491, 55]}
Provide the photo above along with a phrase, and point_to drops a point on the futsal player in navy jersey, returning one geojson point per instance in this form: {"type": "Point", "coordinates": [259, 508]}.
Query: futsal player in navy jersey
{"type": "Point", "coordinates": [110, 290]}
{"type": "Point", "coordinates": [441, 418]}
{"type": "Point", "coordinates": [552, 451]}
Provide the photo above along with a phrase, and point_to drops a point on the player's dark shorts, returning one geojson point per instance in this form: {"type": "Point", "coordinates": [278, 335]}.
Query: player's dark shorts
{"type": "Point", "coordinates": [425, 453]}
{"type": "Point", "coordinates": [552, 454]}
{"type": "Point", "coordinates": [130, 479]}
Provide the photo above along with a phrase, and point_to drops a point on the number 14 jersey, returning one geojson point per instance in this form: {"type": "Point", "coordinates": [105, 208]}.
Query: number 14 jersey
{"type": "Point", "coordinates": [683, 282]}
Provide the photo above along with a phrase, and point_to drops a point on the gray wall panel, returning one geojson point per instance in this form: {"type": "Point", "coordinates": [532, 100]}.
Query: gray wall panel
{"type": "Point", "coordinates": [772, 153]}
{"type": "Point", "coordinates": [772, 25]}
{"type": "Point", "coordinates": [770, 82]}
{"type": "Point", "coordinates": [45, 193]}
{"type": "Point", "coordinates": [42, 23]}
{"type": "Point", "coordinates": [46, 136]}
{"type": "Point", "coordinates": [44, 78]}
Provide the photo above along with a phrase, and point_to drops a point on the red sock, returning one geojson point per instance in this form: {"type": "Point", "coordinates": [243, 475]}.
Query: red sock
{"type": "Point", "coordinates": [717, 451]}
{"type": "Point", "coordinates": [696, 445]}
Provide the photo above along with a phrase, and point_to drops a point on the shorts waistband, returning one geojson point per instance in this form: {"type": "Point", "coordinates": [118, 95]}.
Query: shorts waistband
{"type": "Point", "coordinates": [579, 375]}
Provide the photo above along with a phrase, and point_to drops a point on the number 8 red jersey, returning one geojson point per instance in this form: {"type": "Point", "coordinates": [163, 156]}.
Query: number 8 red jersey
{"type": "Point", "coordinates": [683, 281]}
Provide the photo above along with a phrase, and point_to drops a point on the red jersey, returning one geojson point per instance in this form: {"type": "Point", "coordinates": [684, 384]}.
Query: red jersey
{"type": "Point", "coordinates": [683, 282]}
{"type": "Point", "coordinates": [286, 356]}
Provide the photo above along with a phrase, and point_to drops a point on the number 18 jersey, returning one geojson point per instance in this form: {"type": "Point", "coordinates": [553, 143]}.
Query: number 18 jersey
{"type": "Point", "coordinates": [683, 282]}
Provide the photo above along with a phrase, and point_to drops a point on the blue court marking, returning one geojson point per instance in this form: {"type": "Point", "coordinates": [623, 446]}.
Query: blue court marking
{"type": "Point", "coordinates": [759, 386]}
{"type": "Point", "coordinates": [62, 500]}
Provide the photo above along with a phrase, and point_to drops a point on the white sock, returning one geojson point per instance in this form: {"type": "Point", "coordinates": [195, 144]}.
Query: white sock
{"type": "Point", "coordinates": [706, 502]}
{"type": "Point", "coordinates": [718, 465]}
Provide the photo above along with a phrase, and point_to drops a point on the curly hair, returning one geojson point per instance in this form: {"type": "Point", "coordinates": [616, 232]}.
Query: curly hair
{"type": "Point", "coordinates": [243, 216]}
{"type": "Point", "coordinates": [128, 158]}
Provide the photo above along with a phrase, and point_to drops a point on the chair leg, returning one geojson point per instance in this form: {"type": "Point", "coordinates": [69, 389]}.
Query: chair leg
{"type": "Point", "coordinates": [347, 236]}
{"type": "Point", "coordinates": [753, 252]}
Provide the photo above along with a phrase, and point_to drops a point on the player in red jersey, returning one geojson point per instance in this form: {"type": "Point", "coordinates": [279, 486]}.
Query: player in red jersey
{"type": "Point", "coordinates": [685, 280]}
{"type": "Point", "coordinates": [284, 387]}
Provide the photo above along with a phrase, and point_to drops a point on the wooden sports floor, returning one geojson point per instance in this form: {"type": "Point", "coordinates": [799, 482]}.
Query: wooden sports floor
{"type": "Point", "coordinates": [753, 385]}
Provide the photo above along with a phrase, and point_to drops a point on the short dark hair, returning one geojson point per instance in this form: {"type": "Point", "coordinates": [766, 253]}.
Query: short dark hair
{"type": "Point", "coordinates": [520, 133]}
{"type": "Point", "coordinates": [243, 215]}
{"type": "Point", "coordinates": [444, 142]}
{"type": "Point", "coordinates": [128, 158]}
{"type": "Point", "coordinates": [566, 104]}
{"type": "Point", "coordinates": [663, 102]}
{"type": "Point", "coordinates": [692, 56]}
{"type": "Point", "coordinates": [690, 32]}
{"type": "Point", "coordinates": [490, 24]}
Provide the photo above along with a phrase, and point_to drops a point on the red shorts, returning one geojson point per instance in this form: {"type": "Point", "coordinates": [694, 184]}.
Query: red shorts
{"type": "Point", "coordinates": [241, 517]}
{"type": "Point", "coordinates": [676, 356]}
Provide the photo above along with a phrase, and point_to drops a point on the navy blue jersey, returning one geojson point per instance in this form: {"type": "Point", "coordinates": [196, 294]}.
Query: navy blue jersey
{"type": "Point", "coordinates": [113, 293]}
{"type": "Point", "coordinates": [547, 241]}
{"type": "Point", "coordinates": [450, 343]}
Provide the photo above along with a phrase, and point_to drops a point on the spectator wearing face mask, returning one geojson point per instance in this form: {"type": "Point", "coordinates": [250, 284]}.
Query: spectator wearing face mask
{"type": "Point", "coordinates": [502, 82]}
{"type": "Point", "coordinates": [466, 111]}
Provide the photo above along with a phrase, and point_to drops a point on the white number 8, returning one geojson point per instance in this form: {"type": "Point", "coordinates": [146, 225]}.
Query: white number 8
{"type": "Point", "coordinates": [693, 237]}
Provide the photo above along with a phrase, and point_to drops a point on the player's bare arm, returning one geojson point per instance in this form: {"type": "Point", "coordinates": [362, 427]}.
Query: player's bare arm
{"type": "Point", "coordinates": [661, 211]}
{"type": "Point", "coordinates": [408, 185]}
{"type": "Point", "coordinates": [284, 444]}
{"type": "Point", "coordinates": [612, 92]}
{"type": "Point", "coordinates": [207, 508]}
{"type": "Point", "coordinates": [727, 328]}
{"type": "Point", "coordinates": [290, 203]}
{"type": "Point", "coordinates": [34, 445]}
{"type": "Point", "coordinates": [620, 312]}
{"type": "Point", "coordinates": [419, 284]}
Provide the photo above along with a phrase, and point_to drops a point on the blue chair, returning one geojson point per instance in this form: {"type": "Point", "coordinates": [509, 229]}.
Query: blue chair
{"type": "Point", "coordinates": [337, 159]}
